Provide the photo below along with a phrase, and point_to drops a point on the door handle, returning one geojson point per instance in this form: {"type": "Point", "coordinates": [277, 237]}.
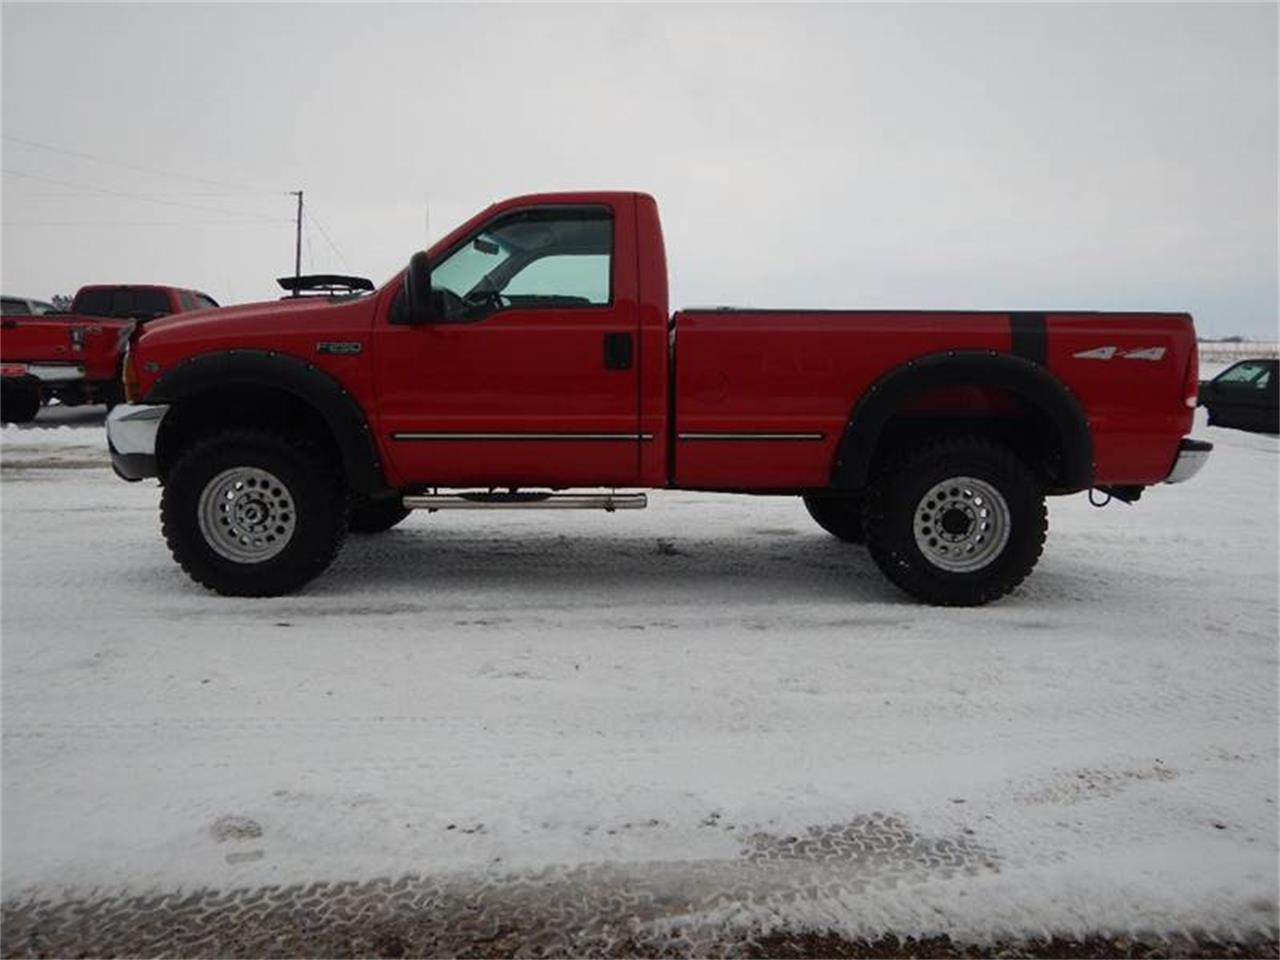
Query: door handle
{"type": "Point", "coordinates": [618, 350]}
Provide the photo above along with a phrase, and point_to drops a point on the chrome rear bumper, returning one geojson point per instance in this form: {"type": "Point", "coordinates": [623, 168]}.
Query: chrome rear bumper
{"type": "Point", "coordinates": [1192, 455]}
{"type": "Point", "coordinates": [46, 372]}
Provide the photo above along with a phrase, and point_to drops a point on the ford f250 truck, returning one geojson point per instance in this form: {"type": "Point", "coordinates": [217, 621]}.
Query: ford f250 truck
{"type": "Point", "coordinates": [75, 356]}
{"type": "Point", "coordinates": [527, 360]}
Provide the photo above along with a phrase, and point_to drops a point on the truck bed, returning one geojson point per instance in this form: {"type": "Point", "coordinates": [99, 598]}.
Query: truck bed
{"type": "Point", "coordinates": [764, 396]}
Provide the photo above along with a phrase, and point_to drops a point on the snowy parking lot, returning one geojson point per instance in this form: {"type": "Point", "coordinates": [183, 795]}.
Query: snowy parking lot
{"type": "Point", "coordinates": [660, 730]}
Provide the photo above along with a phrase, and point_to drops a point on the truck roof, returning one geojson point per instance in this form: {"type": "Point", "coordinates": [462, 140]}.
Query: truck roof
{"type": "Point", "coordinates": [133, 286]}
{"type": "Point", "coordinates": [576, 197]}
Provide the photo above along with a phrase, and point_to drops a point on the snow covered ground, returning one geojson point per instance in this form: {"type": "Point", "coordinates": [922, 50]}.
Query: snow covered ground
{"type": "Point", "coordinates": [711, 702]}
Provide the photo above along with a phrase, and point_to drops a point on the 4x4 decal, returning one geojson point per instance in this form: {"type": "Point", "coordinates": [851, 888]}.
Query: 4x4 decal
{"type": "Point", "coordinates": [1107, 353]}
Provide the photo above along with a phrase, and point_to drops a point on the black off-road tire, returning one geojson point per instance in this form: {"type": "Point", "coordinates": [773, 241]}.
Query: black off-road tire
{"type": "Point", "coordinates": [839, 516]}
{"type": "Point", "coordinates": [111, 396]}
{"type": "Point", "coordinates": [19, 404]}
{"type": "Point", "coordinates": [318, 498]}
{"type": "Point", "coordinates": [898, 505]}
{"type": "Point", "coordinates": [377, 516]}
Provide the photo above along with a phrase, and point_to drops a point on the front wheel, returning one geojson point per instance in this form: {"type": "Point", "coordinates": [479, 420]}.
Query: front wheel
{"type": "Point", "coordinates": [957, 522]}
{"type": "Point", "coordinates": [247, 514]}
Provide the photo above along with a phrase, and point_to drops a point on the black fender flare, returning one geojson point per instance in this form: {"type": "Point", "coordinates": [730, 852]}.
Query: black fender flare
{"type": "Point", "coordinates": [1023, 378]}
{"type": "Point", "coordinates": [282, 371]}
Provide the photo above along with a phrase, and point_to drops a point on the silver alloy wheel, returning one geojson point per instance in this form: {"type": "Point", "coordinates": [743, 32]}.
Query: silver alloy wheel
{"type": "Point", "coordinates": [246, 514]}
{"type": "Point", "coordinates": [961, 524]}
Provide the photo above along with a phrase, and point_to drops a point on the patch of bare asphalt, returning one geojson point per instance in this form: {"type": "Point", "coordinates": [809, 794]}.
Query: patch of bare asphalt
{"type": "Point", "coordinates": [728, 908]}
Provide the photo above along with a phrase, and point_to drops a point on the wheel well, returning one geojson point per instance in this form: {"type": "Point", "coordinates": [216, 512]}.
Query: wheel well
{"type": "Point", "coordinates": [243, 405]}
{"type": "Point", "coordinates": [999, 396]}
{"type": "Point", "coordinates": [992, 413]}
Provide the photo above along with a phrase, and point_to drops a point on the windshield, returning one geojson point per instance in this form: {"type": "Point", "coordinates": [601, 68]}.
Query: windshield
{"type": "Point", "coordinates": [463, 271]}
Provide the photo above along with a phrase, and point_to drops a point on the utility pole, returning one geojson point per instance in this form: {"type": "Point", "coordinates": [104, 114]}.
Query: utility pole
{"type": "Point", "coordinates": [297, 246]}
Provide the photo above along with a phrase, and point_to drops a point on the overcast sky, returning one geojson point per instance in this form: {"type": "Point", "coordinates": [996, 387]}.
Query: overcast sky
{"type": "Point", "coordinates": [985, 156]}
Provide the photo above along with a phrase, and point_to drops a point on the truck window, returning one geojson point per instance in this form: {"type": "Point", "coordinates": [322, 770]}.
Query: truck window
{"type": "Point", "coordinates": [1249, 373]}
{"type": "Point", "coordinates": [122, 302]}
{"type": "Point", "coordinates": [579, 276]}
{"type": "Point", "coordinates": [532, 259]}
{"type": "Point", "coordinates": [194, 300]}
{"type": "Point", "coordinates": [12, 307]}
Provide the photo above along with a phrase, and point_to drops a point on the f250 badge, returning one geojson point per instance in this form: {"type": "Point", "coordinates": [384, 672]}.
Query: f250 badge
{"type": "Point", "coordinates": [339, 346]}
{"type": "Point", "coordinates": [1107, 353]}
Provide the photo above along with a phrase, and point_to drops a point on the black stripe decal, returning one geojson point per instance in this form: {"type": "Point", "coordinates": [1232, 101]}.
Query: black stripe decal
{"type": "Point", "coordinates": [1029, 337]}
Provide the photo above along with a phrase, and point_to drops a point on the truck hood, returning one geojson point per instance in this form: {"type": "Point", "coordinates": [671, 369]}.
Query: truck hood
{"type": "Point", "coordinates": [290, 314]}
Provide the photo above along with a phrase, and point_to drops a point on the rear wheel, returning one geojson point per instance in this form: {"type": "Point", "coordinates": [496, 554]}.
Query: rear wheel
{"type": "Point", "coordinates": [245, 513]}
{"type": "Point", "coordinates": [19, 404]}
{"type": "Point", "coordinates": [957, 522]}
{"type": "Point", "coordinates": [839, 516]}
{"type": "Point", "coordinates": [111, 394]}
{"type": "Point", "coordinates": [377, 516]}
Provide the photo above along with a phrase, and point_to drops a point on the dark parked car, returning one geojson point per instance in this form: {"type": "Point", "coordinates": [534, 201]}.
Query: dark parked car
{"type": "Point", "coordinates": [1244, 396]}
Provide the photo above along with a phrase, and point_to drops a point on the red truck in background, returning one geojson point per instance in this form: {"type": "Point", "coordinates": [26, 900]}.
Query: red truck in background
{"type": "Point", "coordinates": [529, 354]}
{"type": "Point", "coordinates": [75, 356]}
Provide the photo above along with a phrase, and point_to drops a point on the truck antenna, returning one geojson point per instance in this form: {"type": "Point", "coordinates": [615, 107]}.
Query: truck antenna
{"type": "Point", "coordinates": [297, 245]}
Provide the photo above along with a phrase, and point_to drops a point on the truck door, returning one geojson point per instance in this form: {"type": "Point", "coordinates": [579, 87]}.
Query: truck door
{"type": "Point", "coordinates": [526, 373]}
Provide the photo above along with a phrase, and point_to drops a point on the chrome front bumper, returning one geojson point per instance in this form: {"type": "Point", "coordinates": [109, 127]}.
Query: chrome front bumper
{"type": "Point", "coordinates": [131, 437]}
{"type": "Point", "coordinates": [1192, 455]}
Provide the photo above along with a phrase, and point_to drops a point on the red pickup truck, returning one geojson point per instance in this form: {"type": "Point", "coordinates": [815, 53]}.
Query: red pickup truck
{"type": "Point", "coordinates": [527, 360]}
{"type": "Point", "coordinates": [75, 356]}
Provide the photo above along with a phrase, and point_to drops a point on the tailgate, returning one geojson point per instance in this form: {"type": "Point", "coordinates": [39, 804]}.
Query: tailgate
{"type": "Point", "coordinates": [86, 342]}
{"type": "Point", "coordinates": [34, 340]}
{"type": "Point", "coordinates": [1130, 371]}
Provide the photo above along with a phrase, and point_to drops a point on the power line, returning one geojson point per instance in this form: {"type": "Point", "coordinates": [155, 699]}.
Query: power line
{"type": "Point", "coordinates": [132, 196]}
{"type": "Point", "coordinates": [142, 223]}
{"type": "Point", "coordinates": [65, 195]}
{"type": "Point", "coordinates": [325, 234]}
{"type": "Point", "coordinates": [133, 166]}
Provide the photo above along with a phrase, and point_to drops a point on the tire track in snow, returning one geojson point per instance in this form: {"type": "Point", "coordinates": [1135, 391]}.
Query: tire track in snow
{"type": "Point", "coordinates": [696, 908]}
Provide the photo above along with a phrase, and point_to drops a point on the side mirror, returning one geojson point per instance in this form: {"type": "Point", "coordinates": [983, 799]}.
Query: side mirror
{"type": "Point", "coordinates": [414, 305]}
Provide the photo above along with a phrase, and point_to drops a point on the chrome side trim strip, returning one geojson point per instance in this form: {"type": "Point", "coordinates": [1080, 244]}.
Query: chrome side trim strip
{"type": "Point", "coordinates": [521, 436]}
{"type": "Point", "coordinates": [751, 436]}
